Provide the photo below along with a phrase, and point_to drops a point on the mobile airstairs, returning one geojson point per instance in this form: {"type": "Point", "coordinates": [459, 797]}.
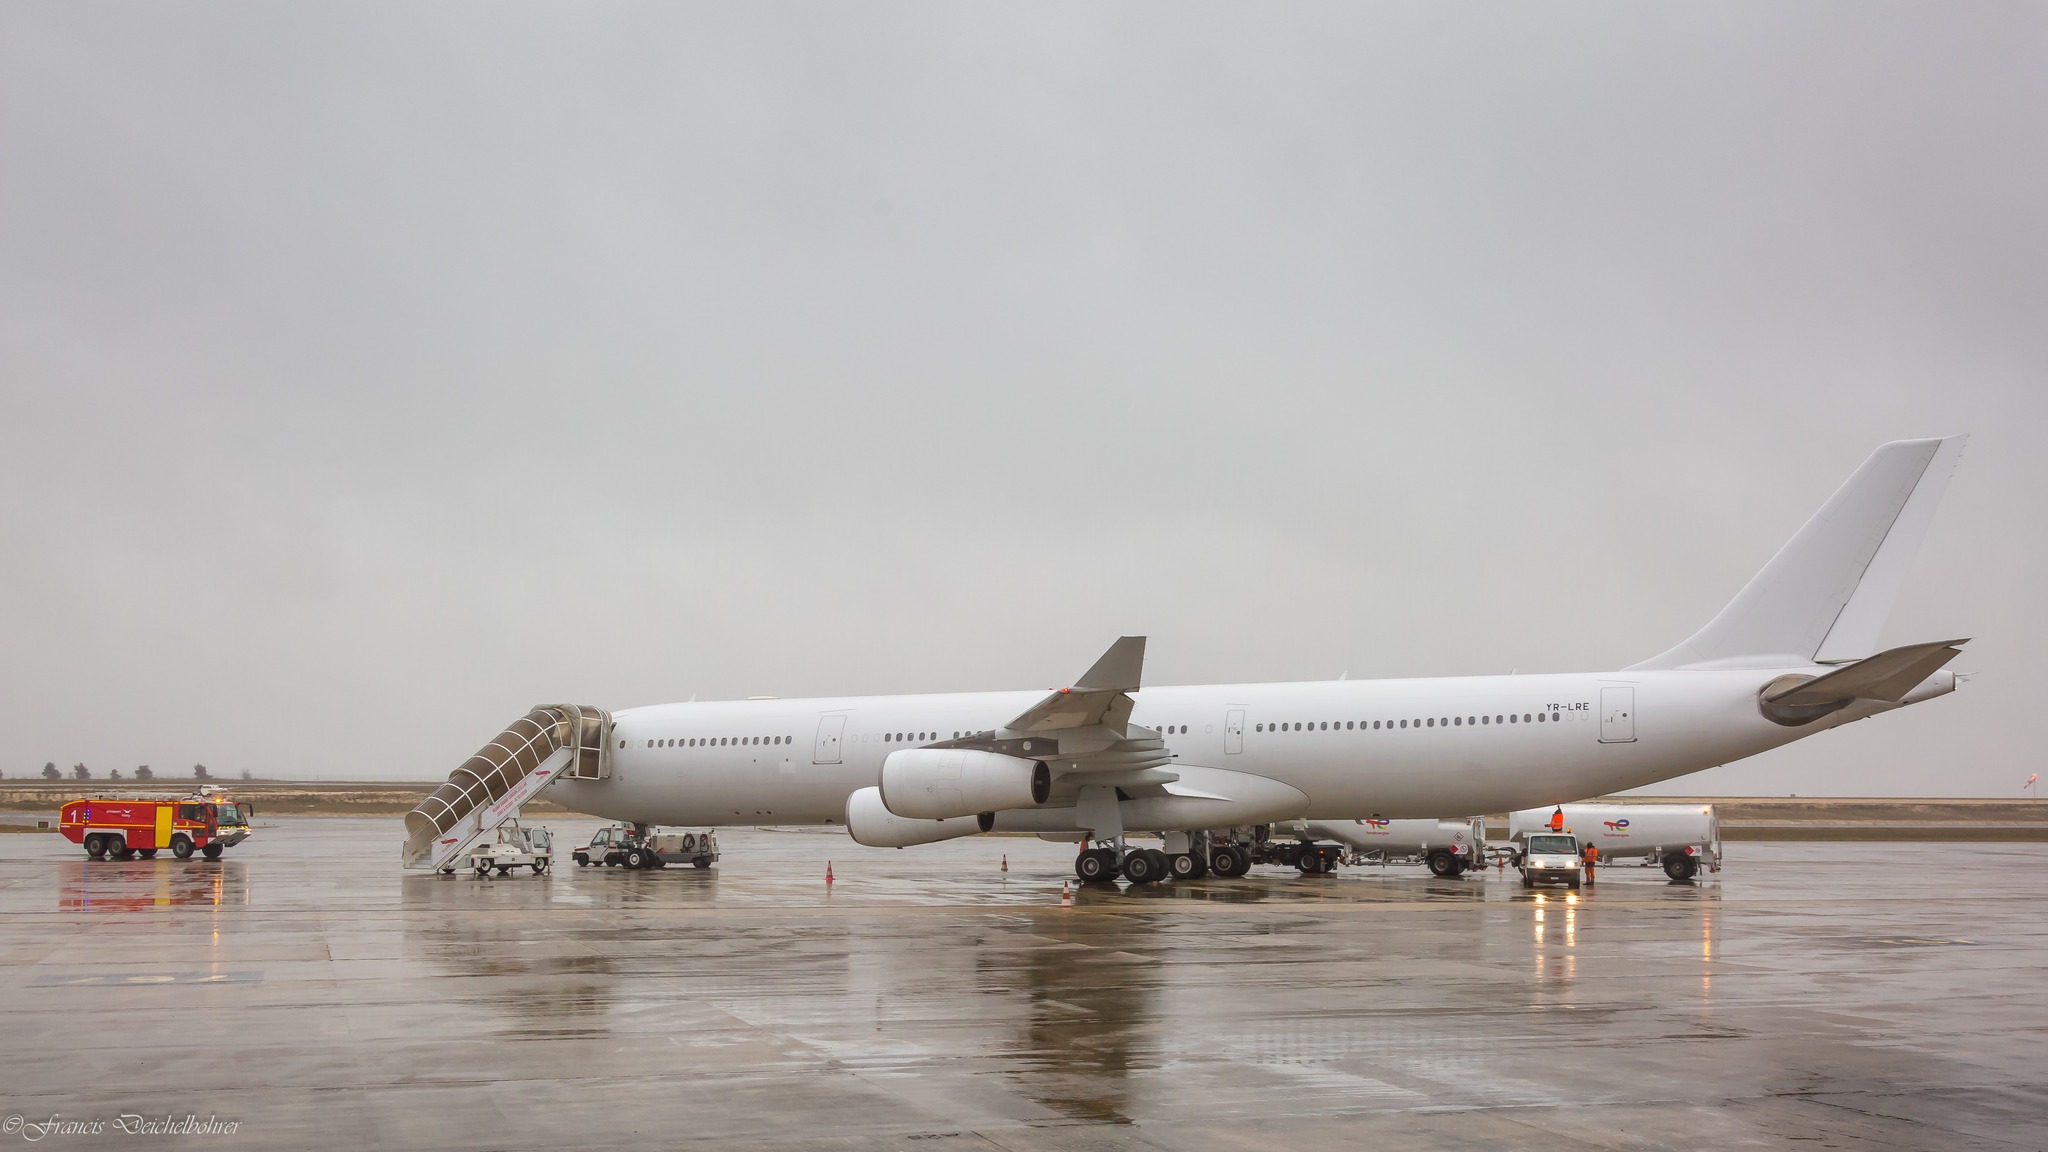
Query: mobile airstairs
{"type": "Point", "coordinates": [548, 743]}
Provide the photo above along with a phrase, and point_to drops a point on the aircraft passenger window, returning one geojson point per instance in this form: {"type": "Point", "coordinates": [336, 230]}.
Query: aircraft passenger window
{"type": "Point", "coordinates": [1183, 729]}
{"type": "Point", "coordinates": [1432, 721]}
{"type": "Point", "coordinates": [1539, 717]}
{"type": "Point", "coordinates": [1375, 725]}
{"type": "Point", "coordinates": [1297, 726]}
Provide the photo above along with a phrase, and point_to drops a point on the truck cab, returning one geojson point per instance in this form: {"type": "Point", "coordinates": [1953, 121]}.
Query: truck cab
{"type": "Point", "coordinates": [1549, 858]}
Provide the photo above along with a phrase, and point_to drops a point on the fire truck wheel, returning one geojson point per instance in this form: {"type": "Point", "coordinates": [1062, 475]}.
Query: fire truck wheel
{"type": "Point", "coordinates": [117, 846]}
{"type": "Point", "coordinates": [146, 853]}
{"type": "Point", "coordinates": [95, 847]}
{"type": "Point", "coordinates": [181, 847]}
{"type": "Point", "coordinates": [211, 851]}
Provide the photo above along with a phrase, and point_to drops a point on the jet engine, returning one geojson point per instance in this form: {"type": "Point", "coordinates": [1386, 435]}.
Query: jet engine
{"type": "Point", "coordinates": [939, 783]}
{"type": "Point", "coordinates": [872, 824]}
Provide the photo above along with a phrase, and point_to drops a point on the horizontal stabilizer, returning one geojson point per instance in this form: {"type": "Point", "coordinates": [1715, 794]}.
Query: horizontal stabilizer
{"type": "Point", "coordinates": [1887, 676]}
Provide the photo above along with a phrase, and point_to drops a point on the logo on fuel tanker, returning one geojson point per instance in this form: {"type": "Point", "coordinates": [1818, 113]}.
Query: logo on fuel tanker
{"type": "Point", "coordinates": [1616, 825]}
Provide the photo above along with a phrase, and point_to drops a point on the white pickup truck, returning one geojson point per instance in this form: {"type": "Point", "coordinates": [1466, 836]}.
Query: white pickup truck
{"type": "Point", "coordinates": [514, 846]}
{"type": "Point", "coordinates": [1548, 857]}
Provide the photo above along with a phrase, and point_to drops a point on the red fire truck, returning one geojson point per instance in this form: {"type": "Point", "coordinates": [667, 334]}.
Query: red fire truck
{"type": "Point", "coordinates": [125, 827]}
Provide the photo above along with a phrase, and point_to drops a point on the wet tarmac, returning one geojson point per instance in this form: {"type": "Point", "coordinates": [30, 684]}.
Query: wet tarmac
{"type": "Point", "coordinates": [311, 994]}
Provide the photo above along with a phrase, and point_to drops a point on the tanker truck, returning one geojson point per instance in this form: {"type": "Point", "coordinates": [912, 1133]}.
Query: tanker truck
{"type": "Point", "coordinates": [1449, 847]}
{"type": "Point", "coordinates": [1684, 838]}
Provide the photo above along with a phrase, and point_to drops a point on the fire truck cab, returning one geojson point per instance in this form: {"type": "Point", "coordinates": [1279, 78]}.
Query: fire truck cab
{"type": "Point", "coordinates": [125, 827]}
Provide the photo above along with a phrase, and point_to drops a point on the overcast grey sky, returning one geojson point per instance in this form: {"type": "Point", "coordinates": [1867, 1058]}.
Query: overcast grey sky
{"type": "Point", "coordinates": [373, 372]}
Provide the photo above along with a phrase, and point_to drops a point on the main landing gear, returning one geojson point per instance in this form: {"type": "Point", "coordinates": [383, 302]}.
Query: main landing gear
{"type": "Point", "coordinates": [1105, 862]}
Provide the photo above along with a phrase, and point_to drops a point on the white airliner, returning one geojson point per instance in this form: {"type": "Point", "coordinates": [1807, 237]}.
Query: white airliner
{"type": "Point", "coordinates": [1795, 653]}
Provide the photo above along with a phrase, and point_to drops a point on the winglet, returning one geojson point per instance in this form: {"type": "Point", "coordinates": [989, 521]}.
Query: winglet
{"type": "Point", "coordinates": [1119, 667]}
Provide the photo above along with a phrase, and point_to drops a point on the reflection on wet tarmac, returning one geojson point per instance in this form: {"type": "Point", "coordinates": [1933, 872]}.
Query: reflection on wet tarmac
{"type": "Point", "coordinates": [929, 995]}
{"type": "Point", "coordinates": [135, 885]}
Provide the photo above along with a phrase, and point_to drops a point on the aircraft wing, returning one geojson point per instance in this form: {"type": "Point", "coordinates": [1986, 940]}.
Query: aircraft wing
{"type": "Point", "coordinates": [1086, 729]}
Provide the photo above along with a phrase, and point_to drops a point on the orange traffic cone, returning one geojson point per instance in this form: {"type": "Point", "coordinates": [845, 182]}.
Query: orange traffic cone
{"type": "Point", "coordinates": [1066, 894]}
{"type": "Point", "coordinates": [1006, 863]}
{"type": "Point", "coordinates": [828, 871]}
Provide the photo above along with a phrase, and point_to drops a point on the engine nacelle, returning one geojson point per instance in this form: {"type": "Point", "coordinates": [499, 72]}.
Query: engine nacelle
{"type": "Point", "coordinates": [938, 783]}
{"type": "Point", "coordinates": [871, 823]}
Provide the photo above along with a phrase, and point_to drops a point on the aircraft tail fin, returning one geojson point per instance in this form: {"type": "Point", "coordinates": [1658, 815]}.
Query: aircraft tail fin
{"type": "Point", "coordinates": [1826, 594]}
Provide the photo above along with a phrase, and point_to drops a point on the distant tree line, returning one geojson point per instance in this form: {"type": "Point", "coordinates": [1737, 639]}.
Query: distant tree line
{"type": "Point", "coordinates": [142, 772]}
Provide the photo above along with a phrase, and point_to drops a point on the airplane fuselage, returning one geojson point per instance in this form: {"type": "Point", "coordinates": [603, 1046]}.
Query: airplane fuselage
{"type": "Point", "coordinates": [1351, 749]}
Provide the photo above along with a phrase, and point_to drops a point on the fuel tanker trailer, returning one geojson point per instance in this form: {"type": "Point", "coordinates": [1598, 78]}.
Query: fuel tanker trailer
{"type": "Point", "coordinates": [1449, 847]}
{"type": "Point", "coordinates": [1684, 838]}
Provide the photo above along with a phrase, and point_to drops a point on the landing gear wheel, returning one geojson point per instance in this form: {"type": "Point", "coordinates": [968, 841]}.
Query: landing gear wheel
{"type": "Point", "coordinates": [181, 847]}
{"type": "Point", "coordinates": [1096, 865]}
{"type": "Point", "coordinates": [1229, 861]}
{"type": "Point", "coordinates": [1145, 866]}
{"type": "Point", "coordinates": [96, 847]}
{"type": "Point", "coordinates": [1442, 864]}
{"type": "Point", "coordinates": [212, 851]}
{"type": "Point", "coordinates": [1186, 866]}
{"type": "Point", "coordinates": [1680, 867]}
{"type": "Point", "coordinates": [635, 858]}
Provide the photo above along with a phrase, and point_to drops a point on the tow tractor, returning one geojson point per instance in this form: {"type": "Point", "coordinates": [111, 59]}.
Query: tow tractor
{"type": "Point", "coordinates": [514, 846]}
{"type": "Point", "coordinates": [640, 846]}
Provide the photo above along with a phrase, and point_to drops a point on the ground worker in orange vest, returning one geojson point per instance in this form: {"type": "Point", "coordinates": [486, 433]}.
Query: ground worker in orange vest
{"type": "Point", "coordinates": [1590, 857]}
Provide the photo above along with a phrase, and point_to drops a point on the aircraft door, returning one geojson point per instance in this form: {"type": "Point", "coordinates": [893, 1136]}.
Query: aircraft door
{"type": "Point", "coordinates": [1233, 731]}
{"type": "Point", "coordinates": [1618, 715]}
{"type": "Point", "coordinates": [830, 729]}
